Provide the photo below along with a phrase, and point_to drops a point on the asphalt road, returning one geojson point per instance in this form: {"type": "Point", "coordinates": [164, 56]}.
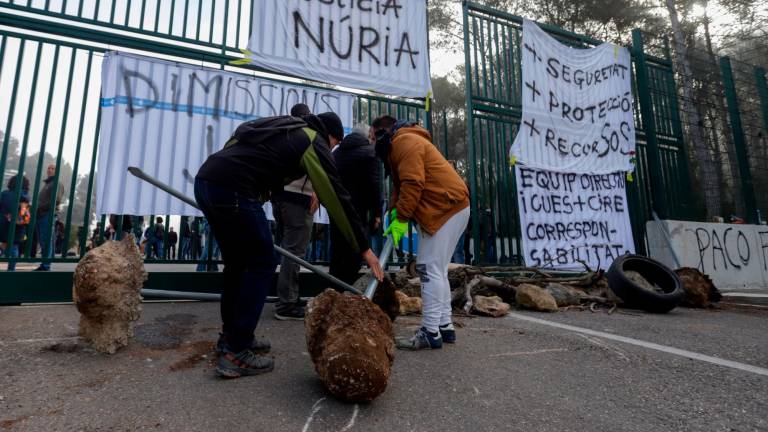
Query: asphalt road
{"type": "Point", "coordinates": [573, 371]}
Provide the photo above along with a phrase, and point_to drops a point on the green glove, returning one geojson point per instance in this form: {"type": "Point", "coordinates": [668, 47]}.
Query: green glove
{"type": "Point", "coordinates": [396, 228]}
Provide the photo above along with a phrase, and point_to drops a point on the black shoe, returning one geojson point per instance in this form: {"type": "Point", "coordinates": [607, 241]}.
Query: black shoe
{"type": "Point", "coordinates": [448, 333]}
{"type": "Point", "coordinates": [259, 345]}
{"type": "Point", "coordinates": [294, 314]}
{"type": "Point", "coordinates": [246, 362]}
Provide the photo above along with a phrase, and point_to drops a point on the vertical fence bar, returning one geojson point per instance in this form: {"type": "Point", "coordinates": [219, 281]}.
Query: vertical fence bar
{"type": "Point", "coordinates": [682, 149]}
{"type": "Point", "coordinates": [41, 158]}
{"type": "Point", "coordinates": [88, 201]}
{"type": "Point", "coordinates": [470, 136]}
{"type": "Point", "coordinates": [157, 15]}
{"type": "Point", "coordinates": [73, 183]}
{"type": "Point", "coordinates": [445, 134]}
{"type": "Point", "coordinates": [646, 109]}
{"type": "Point", "coordinates": [12, 106]}
{"type": "Point", "coordinates": [23, 152]}
{"type": "Point", "coordinates": [762, 91]}
{"type": "Point", "coordinates": [747, 188]}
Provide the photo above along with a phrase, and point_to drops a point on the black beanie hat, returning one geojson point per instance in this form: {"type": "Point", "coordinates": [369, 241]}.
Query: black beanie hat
{"type": "Point", "coordinates": [332, 124]}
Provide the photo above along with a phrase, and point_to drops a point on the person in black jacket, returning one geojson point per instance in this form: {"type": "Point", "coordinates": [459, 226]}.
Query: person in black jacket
{"type": "Point", "coordinates": [231, 186]}
{"type": "Point", "coordinates": [360, 173]}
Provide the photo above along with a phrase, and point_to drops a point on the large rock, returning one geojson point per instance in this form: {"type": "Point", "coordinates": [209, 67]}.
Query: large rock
{"type": "Point", "coordinates": [564, 295]}
{"type": "Point", "coordinates": [699, 290]}
{"type": "Point", "coordinates": [532, 297]}
{"type": "Point", "coordinates": [351, 344]}
{"type": "Point", "coordinates": [107, 293]}
{"type": "Point", "coordinates": [408, 305]}
{"type": "Point", "coordinates": [489, 306]}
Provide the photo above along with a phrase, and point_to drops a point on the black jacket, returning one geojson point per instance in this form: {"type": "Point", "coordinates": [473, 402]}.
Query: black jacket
{"type": "Point", "coordinates": [266, 154]}
{"type": "Point", "coordinates": [360, 172]}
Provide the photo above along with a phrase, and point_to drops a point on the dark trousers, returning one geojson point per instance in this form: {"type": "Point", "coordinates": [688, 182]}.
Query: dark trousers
{"type": "Point", "coordinates": [294, 225]}
{"type": "Point", "coordinates": [345, 263]}
{"type": "Point", "coordinates": [242, 231]}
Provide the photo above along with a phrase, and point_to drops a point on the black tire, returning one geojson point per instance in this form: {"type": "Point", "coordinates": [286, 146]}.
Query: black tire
{"type": "Point", "coordinates": [634, 295]}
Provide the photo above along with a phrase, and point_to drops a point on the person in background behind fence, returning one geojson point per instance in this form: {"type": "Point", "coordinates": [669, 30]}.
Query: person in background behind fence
{"type": "Point", "coordinates": [172, 239]}
{"type": "Point", "coordinates": [213, 249]}
{"type": "Point", "coordinates": [186, 238]}
{"type": "Point", "coordinates": [293, 209]}
{"type": "Point", "coordinates": [10, 209]}
{"type": "Point", "coordinates": [361, 176]}
{"type": "Point", "coordinates": [48, 202]}
{"type": "Point", "coordinates": [159, 233]}
{"type": "Point", "coordinates": [429, 191]}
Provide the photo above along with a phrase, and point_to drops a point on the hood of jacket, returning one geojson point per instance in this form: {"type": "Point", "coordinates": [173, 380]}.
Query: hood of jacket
{"type": "Point", "coordinates": [354, 140]}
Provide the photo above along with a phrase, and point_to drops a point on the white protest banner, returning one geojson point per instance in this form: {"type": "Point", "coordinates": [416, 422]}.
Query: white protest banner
{"type": "Point", "coordinates": [377, 45]}
{"type": "Point", "coordinates": [166, 118]}
{"type": "Point", "coordinates": [577, 106]}
{"type": "Point", "coordinates": [567, 218]}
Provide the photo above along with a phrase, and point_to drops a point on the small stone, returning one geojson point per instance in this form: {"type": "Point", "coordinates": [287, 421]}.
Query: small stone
{"type": "Point", "coordinates": [489, 306]}
{"type": "Point", "coordinates": [532, 297]}
{"type": "Point", "coordinates": [408, 305]}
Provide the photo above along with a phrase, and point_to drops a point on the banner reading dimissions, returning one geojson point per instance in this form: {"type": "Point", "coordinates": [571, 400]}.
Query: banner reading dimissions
{"type": "Point", "coordinates": [378, 45]}
{"type": "Point", "coordinates": [167, 118]}
{"type": "Point", "coordinates": [568, 219]}
{"type": "Point", "coordinates": [577, 106]}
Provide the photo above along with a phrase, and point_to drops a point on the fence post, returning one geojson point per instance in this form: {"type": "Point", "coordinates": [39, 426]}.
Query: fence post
{"type": "Point", "coordinates": [445, 134]}
{"type": "Point", "coordinates": [739, 143]}
{"type": "Point", "coordinates": [470, 140]}
{"type": "Point", "coordinates": [659, 202]}
{"type": "Point", "coordinates": [762, 90]}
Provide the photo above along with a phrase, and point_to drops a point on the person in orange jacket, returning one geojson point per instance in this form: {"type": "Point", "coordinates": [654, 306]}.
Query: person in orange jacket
{"type": "Point", "coordinates": [428, 191]}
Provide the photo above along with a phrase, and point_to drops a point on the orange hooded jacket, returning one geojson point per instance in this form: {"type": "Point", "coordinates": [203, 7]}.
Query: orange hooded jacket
{"type": "Point", "coordinates": [427, 188]}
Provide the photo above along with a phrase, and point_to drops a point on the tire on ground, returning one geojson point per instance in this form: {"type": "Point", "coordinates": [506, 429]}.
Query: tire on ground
{"type": "Point", "coordinates": [634, 295]}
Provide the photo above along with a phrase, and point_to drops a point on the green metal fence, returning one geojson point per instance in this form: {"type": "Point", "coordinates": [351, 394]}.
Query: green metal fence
{"type": "Point", "coordinates": [50, 64]}
{"type": "Point", "coordinates": [492, 43]}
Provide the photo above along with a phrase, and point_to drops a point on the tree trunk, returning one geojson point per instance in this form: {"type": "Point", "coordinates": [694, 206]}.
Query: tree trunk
{"type": "Point", "coordinates": [707, 174]}
{"type": "Point", "coordinates": [725, 146]}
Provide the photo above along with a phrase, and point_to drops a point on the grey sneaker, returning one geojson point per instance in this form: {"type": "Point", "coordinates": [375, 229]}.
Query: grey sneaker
{"type": "Point", "coordinates": [244, 363]}
{"type": "Point", "coordinates": [260, 345]}
{"type": "Point", "coordinates": [421, 340]}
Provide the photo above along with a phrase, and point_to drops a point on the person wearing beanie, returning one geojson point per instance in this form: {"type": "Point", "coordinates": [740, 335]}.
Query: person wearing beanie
{"type": "Point", "coordinates": [260, 158]}
{"type": "Point", "coordinates": [428, 191]}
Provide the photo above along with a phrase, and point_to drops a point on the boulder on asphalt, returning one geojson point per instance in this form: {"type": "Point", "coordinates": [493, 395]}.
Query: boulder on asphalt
{"type": "Point", "coordinates": [351, 343]}
{"type": "Point", "coordinates": [700, 292]}
{"type": "Point", "coordinates": [408, 305]}
{"type": "Point", "coordinates": [532, 297]}
{"type": "Point", "coordinates": [491, 306]}
{"type": "Point", "coordinates": [107, 293]}
{"type": "Point", "coordinates": [564, 295]}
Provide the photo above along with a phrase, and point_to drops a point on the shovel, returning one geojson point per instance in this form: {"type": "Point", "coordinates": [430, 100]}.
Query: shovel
{"type": "Point", "coordinates": [371, 288]}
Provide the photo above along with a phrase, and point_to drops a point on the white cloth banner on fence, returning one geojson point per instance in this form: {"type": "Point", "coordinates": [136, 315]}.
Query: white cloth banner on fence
{"type": "Point", "coordinates": [567, 218]}
{"type": "Point", "coordinates": [166, 118]}
{"type": "Point", "coordinates": [577, 106]}
{"type": "Point", "coordinates": [378, 45]}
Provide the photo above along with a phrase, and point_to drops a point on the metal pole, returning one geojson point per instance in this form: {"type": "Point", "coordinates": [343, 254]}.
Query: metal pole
{"type": "Point", "coordinates": [318, 271]}
{"type": "Point", "coordinates": [470, 137]}
{"type": "Point", "coordinates": [386, 252]}
{"type": "Point", "coordinates": [649, 126]}
{"type": "Point", "coordinates": [739, 143]}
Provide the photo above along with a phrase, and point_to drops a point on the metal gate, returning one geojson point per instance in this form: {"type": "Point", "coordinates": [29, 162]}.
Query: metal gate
{"type": "Point", "coordinates": [50, 63]}
{"type": "Point", "coordinates": [492, 47]}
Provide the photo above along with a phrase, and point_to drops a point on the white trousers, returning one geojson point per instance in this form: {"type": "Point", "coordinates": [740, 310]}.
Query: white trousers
{"type": "Point", "coordinates": [432, 261]}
